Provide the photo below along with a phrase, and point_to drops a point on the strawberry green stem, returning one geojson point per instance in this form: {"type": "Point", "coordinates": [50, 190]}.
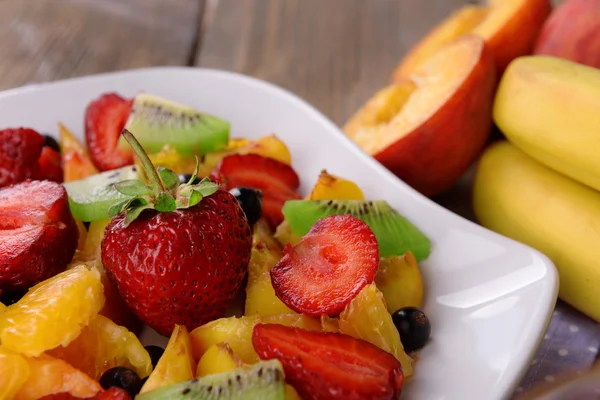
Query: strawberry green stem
{"type": "Point", "coordinates": [155, 182]}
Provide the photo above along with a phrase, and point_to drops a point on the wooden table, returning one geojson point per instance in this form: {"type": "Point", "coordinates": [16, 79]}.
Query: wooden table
{"type": "Point", "coordinates": [333, 53]}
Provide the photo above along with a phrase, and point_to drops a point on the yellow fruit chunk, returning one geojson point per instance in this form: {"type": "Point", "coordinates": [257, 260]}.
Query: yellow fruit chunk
{"type": "Point", "coordinates": [103, 345]}
{"type": "Point", "coordinates": [176, 364]}
{"type": "Point", "coordinates": [331, 187]}
{"type": "Point", "coordinates": [366, 317]}
{"type": "Point", "coordinates": [82, 235]}
{"type": "Point", "coordinates": [76, 161]}
{"type": "Point", "coordinates": [284, 235]}
{"type": "Point", "coordinates": [95, 232]}
{"type": "Point", "coordinates": [14, 372]}
{"type": "Point", "coordinates": [237, 333]}
{"type": "Point", "coordinates": [518, 197]}
{"type": "Point", "coordinates": [400, 281]}
{"type": "Point", "coordinates": [53, 312]}
{"type": "Point", "coordinates": [261, 298]}
{"type": "Point", "coordinates": [267, 146]}
{"type": "Point", "coordinates": [2, 307]}
{"type": "Point", "coordinates": [218, 358]}
{"type": "Point", "coordinates": [48, 375]}
{"type": "Point", "coordinates": [290, 393]}
{"type": "Point", "coordinates": [329, 324]}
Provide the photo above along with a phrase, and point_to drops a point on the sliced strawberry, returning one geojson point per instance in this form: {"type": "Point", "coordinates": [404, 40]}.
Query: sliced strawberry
{"type": "Point", "coordinates": [329, 366]}
{"type": "Point", "coordinates": [20, 149]}
{"type": "Point", "coordinates": [50, 165]}
{"type": "Point", "coordinates": [277, 180]}
{"type": "Point", "coordinates": [105, 118]}
{"type": "Point", "coordinates": [328, 267]}
{"type": "Point", "coordinates": [38, 235]}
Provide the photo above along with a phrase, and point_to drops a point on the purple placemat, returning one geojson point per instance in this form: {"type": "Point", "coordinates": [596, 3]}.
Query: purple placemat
{"type": "Point", "coordinates": [570, 344]}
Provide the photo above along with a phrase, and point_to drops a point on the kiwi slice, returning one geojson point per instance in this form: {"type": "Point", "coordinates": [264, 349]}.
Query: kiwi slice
{"type": "Point", "coordinates": [157, 122]}
{"type": "Point", "coordinates": [395, 234]}
{"type": "Point", "coordinates": [263, 380]}
{"type": "Point", "coordinates": [91, 197]}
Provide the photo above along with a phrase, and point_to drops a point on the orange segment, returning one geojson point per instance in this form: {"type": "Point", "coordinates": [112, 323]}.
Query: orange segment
{"type": "Point", "coordinates": [103, 345]}
{"type": "Point", "coordinates": [49, 375]}
{"type": "Point", "coordinates": [53, 312]}
{"type": "Point", "coordinates": [75, 159]}
{"type": "Point", "coordinates": [366, 317]}
{"type": "Point", "coordinates": [176, 364]}
{"type": "Point", "coordinates": [14, 372]}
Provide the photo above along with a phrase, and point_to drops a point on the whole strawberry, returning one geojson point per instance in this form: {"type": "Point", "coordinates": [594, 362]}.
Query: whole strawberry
{"type": "Point", "coordinates": [176, 253]}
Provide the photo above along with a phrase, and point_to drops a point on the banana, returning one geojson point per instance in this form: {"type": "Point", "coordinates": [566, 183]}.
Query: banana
{"type": "Point", "coordinates": [518, 197]}
{"type": "Point", "coordinates": [550, 109]}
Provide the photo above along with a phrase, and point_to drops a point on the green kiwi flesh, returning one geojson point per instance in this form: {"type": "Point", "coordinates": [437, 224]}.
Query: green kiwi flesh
{"type": "Point", "coordinates": [264, 381]}
{"type": "Point", "coordinates": [395, 234]}
{"type": "Point", "coordinates": [91, 197]}
{"type": "Point", "coordinates": [156, 122]}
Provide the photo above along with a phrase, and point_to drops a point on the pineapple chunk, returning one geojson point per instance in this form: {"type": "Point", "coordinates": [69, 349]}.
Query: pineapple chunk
{"type": "Point", "coordinates": [400, 281]}
{"type": "Point", "coordinates": [261, 298]}
{"type": "Point", "coordinates": [218, 358]}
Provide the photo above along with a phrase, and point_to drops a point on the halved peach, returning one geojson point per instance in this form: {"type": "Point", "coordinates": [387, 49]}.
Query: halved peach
{"type": "Point", "coordinates": [509, 27]}
{"type": "Point", "coordinates": [430, 128]}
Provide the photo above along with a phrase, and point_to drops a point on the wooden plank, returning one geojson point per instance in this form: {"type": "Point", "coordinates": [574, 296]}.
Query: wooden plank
{"type": "Point", "coordinates": [43, 40]}
{"type": "Point", "coordinates": [333, 53]}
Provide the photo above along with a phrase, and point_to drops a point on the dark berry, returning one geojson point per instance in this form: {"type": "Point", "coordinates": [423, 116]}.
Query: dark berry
{"type": "Point", "coordinates": [413, 326]}
{"type": "Point", "coordinates": [11, 297]}
{"type": "Point", "coordinates": [123, 378]}
{"type": "Point", "coordinates": [185, 178]}
{"type": "Point", "coordinates": [155, 353]}
{"type": "Point", "coordinates": [251, 202]}
{"type": "Point", "coordinates": [52, 143]}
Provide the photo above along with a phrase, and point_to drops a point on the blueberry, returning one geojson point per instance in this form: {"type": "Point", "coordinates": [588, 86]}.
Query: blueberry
{"type": "Point", "coordinates": [155, 353]}
{"type": "Point", "coordinates": [251, 202]}
{"type": "Point", "coordinates": [52, 143]}
{"type": "Point", "coordinates": [185, 178]}
{"type": "Point", "coordinates": [123, 378]}
{"type": "Point", "coordinates": [11, 297]}
{"type": "Point", "coordinates": [413, 326]}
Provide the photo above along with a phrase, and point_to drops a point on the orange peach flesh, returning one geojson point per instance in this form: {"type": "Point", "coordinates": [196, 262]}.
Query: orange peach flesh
{"type": "Point", "coordinates": [484, 21]}
{"type": "Point", "coordinates": [397, 110]}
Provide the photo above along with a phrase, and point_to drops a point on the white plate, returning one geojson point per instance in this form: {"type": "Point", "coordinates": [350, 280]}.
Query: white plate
{"type": "Point", "coordinates": [489, 298]}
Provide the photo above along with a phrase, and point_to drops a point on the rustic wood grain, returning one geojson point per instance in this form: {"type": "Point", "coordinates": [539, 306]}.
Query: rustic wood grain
{"type": "Point", "coordinates": [333, 53]}
{"type": "Point", "coordinates": [42, 40]}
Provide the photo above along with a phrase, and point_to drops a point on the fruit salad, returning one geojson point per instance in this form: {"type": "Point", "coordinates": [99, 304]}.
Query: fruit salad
{"type": "Point", "coordinates": [159, 220]}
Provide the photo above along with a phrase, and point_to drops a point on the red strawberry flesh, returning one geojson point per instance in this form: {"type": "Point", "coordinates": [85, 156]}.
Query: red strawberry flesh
{"type": "Point", "coordinates": [328, 267]}
{"type": "Point", "coordinates": [38, 235]}
{"type": "Point", "coordinates": [50, 165]}
{"type": "Point", "coordinates": [278, 181]}
{"type": "Point", "coordinates": [19, 152]}
{"type": "Point", "coordinates": [328, 366]}
{"type": "Point", "coordinates": [105, 118]}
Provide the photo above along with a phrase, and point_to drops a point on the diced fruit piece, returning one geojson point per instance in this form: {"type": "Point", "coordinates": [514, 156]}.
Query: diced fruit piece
{"type": "Point", "coordinates": [110, 394]}
{"type": "Point", "coordinates": [91, 197]}
{"type": "Point", "coordinates": [444, 108]}
{"type": "Point", "coordinates": [237, 333]}
{"type": "Point", "coordinates": [400, 281]}
{"type": "Point", "coordinates": [2, 307]}
{"type": "Point", "coordinates": [53, 312]}
{"type": "Point", "coordinates": [395, 234]}
{"type": "Point", "coordinates": [509, 28]}
{"type": "Point", "coordinates": [218, 358]}
{"type": "Point", "coordinates": [572, 32]}
{"type": "Point", "coordinates": [105, 118]}
{"type": "Point", "coordinates": [278, 181]}
{"type": "Point", "coordinates": [263, 381]}
{"type": "Point", "coordinates": [95, 232]}
{"type": "Point", "coordinates": [284, 235]}
{"type": "Point", "coordinates": [76, 161]}
{"type": "Point", "coordinates": [82, 237]}
{"type": "Point", "coordinates": [123, 378]}
{"type": "Point", "coordinates": [251, 202]}
{"type": "Point", "coordinates": [50, 165]}
{"type": "Point", "coordinates": [14, 372]}
{"type": "Point", "coordinates": [267, 146]}
{"type": "Point", "coordinates": [325, 366]}
{"type": "Point", "coordinates": [38, 235]}
{"type": "Point", "coordinates": [169, 157]}
{"type": "Point", "coordinates": [48, 375]}
{"type": "Point", "coordinates": [157, 121]}
{"type": "Point", "coordinates": [103, 345]}
{"type": "Point", "coordinates": [329, 324]}
{"type": "Point", "coordinates": [367, 318]}
{"type": "Point", "coordinates": [330, 265]}
{"type": "Point", "coordinates": [331, 187]}
{"type": "Point", "coordinates": [413, 326]}
{"type": "Point", "coordinates": [176, 364]}
{"type": "Point", "coordinates": [261, 298]}
{"type": "Point", "coordinates": [20, 150]}
{"type": "Point", "coordinates": [291, 393]}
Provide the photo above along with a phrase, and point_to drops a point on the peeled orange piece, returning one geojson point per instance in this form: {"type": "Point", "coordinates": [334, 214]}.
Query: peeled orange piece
{"type": "Point", "coordinates": [53, 312]}
{"type": "Point", "coordinates": [103, 345]}
{"type": "Point", "coordinates": [14, 371]}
